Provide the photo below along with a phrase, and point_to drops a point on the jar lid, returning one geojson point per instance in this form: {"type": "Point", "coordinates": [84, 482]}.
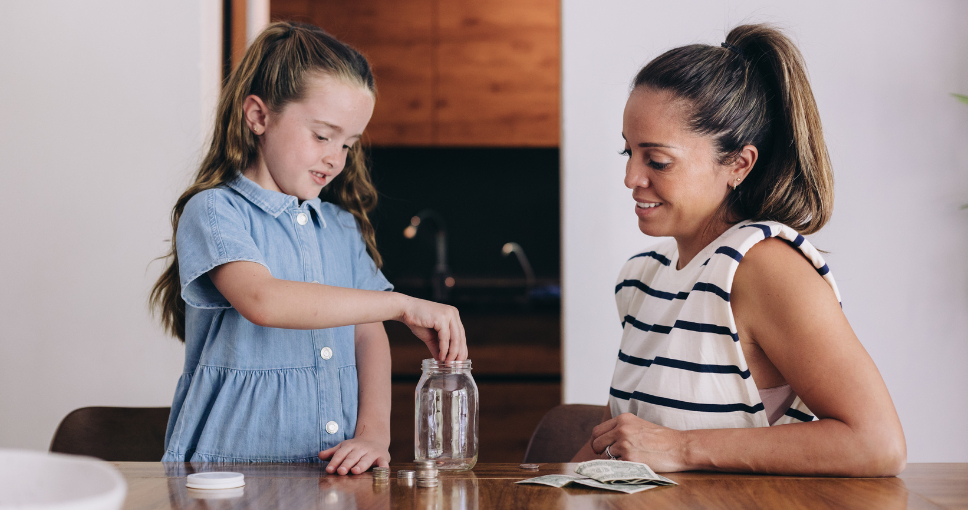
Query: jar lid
{"type": "Point", "coordinates": [215, 480]}
{"type": "Point", "coordinates": [432, 364]}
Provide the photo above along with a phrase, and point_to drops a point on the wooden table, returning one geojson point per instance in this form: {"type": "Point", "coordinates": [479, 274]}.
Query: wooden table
{"type": "Point", "coordinates": [295, 486]}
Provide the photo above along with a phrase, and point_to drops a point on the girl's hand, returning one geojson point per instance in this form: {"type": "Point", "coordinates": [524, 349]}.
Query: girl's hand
{"type": "Point", "coordinates": [631, 438]}
{"type": "Point", "coordinates": [439, 327]}
{"type": "Point", "coordinates": [355, 456]}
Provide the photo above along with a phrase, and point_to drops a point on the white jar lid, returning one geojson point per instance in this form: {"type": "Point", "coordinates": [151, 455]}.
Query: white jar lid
{"type": "Point", "coordinates": [215, 480]}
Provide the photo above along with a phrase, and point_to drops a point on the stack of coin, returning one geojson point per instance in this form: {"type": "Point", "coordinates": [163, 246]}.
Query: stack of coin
{"type": "Point", "coordinates": [426, 473]}
{"type": "Point", "coordinates": [381, 474]}
{"type": "Point", "coordinates": [405, 477]}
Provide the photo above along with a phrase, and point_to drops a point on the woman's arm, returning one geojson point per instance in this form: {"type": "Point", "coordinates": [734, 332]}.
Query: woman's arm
{"type": "Point", "coordinates": [267, 301]}
{"type": "Point", "coordinates": [372, 440]}
{"type": "Point", "coordinates": [790, 312]}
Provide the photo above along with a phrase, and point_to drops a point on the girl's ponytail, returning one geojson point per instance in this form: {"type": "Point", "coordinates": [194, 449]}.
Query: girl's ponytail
{"type": "Point", "coordinates": [753, 90]}
{"type": "Point", "coordinates": [274, 68]}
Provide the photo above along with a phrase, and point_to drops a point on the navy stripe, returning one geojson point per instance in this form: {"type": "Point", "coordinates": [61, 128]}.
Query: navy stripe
{"type": "Point", "coordinates": [798, 241]}
{"type": "Point", "coordinates": [688, 406]}
{"type": "Point", "coordinates": [706, 369]}
{"type": "Point", "coordinates": [657, 256]}
{"type": "Point", "coordinates": [800, 415]}
{"type": "Point", "coordinates": [650, 291]}
{"type": "Point", "coordinates": [767, 233]}
{"type": "Point", "coordinates": [632, 360]}
{"type": "Point", "coordinates": [708, 287]}
{"type": "Point", "coordinates": [726, 250]}
{"type": "Point", "coordinates": [704, 263]}
{"type": "Point", "coordinates": [823, 270]}
{"type": "Point", "coordinates": [705, 328]}
{"type": "Point", "coordinates": [646, 327]}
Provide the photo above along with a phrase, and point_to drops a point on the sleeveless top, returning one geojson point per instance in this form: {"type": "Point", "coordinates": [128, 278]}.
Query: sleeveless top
{"type": "Point", "coordinates": [680, 364]}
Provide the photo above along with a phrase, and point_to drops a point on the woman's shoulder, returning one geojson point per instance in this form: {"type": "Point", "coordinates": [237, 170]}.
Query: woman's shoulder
{"type": "Point", "coordinates": [778, 260]}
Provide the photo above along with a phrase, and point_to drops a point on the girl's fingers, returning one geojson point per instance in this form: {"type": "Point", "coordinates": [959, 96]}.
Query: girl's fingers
{"type": "Point", "coordinates": [336, 458]}
{"type": "Point", "coordinates": [443, 334]}
{"type": "Point", "coordinates": [351, 459]}
{"type": "Point", "coordinates": [325, 454]}
{"type": "Point", "coordinates": [364, 463]}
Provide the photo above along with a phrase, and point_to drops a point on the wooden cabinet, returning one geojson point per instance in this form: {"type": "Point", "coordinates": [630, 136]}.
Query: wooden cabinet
{"type": "Point", "coordinates": [454, 73]}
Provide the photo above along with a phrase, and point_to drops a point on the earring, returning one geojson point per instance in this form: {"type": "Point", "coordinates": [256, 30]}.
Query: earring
{"type": "Point", "coordinates": [735, 184]}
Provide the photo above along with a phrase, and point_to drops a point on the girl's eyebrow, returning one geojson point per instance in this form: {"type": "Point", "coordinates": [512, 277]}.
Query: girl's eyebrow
{"type": "Point", "coordinates": [334, 127]}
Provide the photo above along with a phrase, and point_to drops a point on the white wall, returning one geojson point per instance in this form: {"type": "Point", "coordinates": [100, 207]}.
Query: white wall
{"type": "Point", "coordinates": [102, 108]}
{"type": "Point", "coordinates": [882, 73]}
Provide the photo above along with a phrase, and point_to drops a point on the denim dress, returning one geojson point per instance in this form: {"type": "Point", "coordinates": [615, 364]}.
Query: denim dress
{"type": "Point", "coordinates": [251, 393]}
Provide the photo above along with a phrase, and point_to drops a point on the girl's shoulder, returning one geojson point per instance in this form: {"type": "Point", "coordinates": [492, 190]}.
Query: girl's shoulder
{"type": "Point", "coordinates": [212, 201]}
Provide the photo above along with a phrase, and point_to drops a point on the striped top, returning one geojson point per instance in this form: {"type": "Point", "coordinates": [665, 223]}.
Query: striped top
{"type": "Point", "coordinates": [680, 364]}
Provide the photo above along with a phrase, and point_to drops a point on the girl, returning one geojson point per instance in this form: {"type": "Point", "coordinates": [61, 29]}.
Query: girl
{"type": "Point", "coordinates": [275, 292]}
{"type": "Point", "coordinates": [736, 355]}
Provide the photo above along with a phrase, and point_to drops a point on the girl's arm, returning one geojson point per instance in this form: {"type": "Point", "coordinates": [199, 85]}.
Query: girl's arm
{"type": "Point", "coordinates": [791, 313]}
{"type": "Point", "coordinates": [267, 301]}
{"type": "Point", "coordinates": [372, 440]}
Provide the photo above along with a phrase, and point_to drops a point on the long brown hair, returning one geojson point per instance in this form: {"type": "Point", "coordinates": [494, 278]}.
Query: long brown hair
{"type": "Point", "coordinates": [753, 90]}
{"type": "Point", "coordinates": [274, 68]}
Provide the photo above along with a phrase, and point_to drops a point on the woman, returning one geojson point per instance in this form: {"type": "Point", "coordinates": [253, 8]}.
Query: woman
{"type": "Point", "coordinates": [736, 355]}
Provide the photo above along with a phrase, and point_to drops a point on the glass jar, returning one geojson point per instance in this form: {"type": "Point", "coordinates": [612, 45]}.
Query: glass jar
{"type": "Point", "coordinates": [446, 415]}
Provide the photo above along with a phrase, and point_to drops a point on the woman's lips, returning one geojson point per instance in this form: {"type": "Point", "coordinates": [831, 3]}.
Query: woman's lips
{"type": "Point", "coordinates": [643, 209]}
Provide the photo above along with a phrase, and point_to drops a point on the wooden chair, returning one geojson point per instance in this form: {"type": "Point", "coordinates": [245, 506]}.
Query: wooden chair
{"type": "Point", "coordinates": [562, 432]}
{"type": "Point", "coordinates": [135, 434]}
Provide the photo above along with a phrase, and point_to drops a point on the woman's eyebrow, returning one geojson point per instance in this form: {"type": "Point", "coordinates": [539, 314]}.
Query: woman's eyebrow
{"type": "Point", "coordinates": [650, 144]}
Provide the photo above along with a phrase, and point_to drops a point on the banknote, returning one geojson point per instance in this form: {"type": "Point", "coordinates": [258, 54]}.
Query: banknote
{"type": "Point", "coordinates": [621, 472]}
{"type": "Point", "coordinates": [562, 480]}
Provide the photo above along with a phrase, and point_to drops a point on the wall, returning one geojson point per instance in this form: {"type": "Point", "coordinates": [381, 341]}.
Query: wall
{"type": "Point", "coordinates": [105, 106]}
{"type": "Point", "coordinates": [882, 73]}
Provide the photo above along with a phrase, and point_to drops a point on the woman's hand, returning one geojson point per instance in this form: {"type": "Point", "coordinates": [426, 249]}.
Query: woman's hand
{"type": "Point", "coordinates": [355, 456]}
{"type": "Point", "coordinates": [631, 438]}
{"type": "Point", "coordinates": [439, 327]}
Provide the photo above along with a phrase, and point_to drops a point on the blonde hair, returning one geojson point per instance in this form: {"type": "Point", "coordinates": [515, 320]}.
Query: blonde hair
{"type": "Point", "coordinates": [274, 68]}
{"type": "Point", "coordinates": [753, 90]}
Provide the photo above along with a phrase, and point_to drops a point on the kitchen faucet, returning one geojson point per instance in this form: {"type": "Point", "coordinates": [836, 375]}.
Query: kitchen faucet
{"type": "Point", "coordinates": [440, 281]}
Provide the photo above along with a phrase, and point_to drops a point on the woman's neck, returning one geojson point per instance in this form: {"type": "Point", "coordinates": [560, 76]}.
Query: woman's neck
{"type": "Point", "coordinates": [690, 246]}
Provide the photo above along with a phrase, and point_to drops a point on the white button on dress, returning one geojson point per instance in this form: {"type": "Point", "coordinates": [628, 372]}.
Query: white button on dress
{"type": "Point", "coordinates": [302, 218]}
{"type": "Point", "coordinates": [332, 427]}
{"type": "Point", "coordinates": [326, 353]}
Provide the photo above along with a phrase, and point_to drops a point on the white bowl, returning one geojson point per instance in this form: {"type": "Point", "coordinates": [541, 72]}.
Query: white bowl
{"type": "Point", "coordinates": [32, 480]}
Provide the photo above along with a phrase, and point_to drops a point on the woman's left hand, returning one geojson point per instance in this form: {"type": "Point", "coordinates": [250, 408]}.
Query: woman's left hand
{"type": "Point", "coordinates": [631, 438]}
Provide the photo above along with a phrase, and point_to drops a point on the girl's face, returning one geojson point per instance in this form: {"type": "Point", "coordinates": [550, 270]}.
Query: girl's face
{"type": "Point", "coordinates": [674, 174]}
{"type": "Point", "coordinates": [303, 147]}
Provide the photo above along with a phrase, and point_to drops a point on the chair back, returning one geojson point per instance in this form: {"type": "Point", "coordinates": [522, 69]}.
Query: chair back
{"type": "Point", "coordinates": [562, 432]}
{"type": "Point", "coordinates": [117, 434]}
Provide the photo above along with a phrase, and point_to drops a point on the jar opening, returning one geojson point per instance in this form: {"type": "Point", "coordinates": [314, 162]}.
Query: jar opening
{"type": "Point", "coordinates": [432, 364]}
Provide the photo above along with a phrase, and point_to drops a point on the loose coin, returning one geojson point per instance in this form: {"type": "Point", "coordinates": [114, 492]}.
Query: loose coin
{"type": "Point", "coordinates": [529, 466]}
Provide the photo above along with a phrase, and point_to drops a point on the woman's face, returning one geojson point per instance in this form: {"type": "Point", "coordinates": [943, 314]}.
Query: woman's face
{"type": "Point", "coordinates": [676, 180]}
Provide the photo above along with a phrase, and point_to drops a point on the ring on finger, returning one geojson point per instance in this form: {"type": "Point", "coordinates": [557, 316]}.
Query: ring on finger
{"type": "Point", "coordinates": [609, 453]}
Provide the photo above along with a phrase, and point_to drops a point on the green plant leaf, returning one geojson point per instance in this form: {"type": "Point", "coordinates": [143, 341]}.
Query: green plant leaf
{"type": "Point", "coordinates": [963, 99]}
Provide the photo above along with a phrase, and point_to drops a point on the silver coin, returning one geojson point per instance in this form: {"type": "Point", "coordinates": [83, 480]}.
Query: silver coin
{"type": "Point", "coordinates": [406, 473]}
{"type": "Point", "coordinates": [427, 483]}
{"type": "Point", "coordinates": [529, 466]}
